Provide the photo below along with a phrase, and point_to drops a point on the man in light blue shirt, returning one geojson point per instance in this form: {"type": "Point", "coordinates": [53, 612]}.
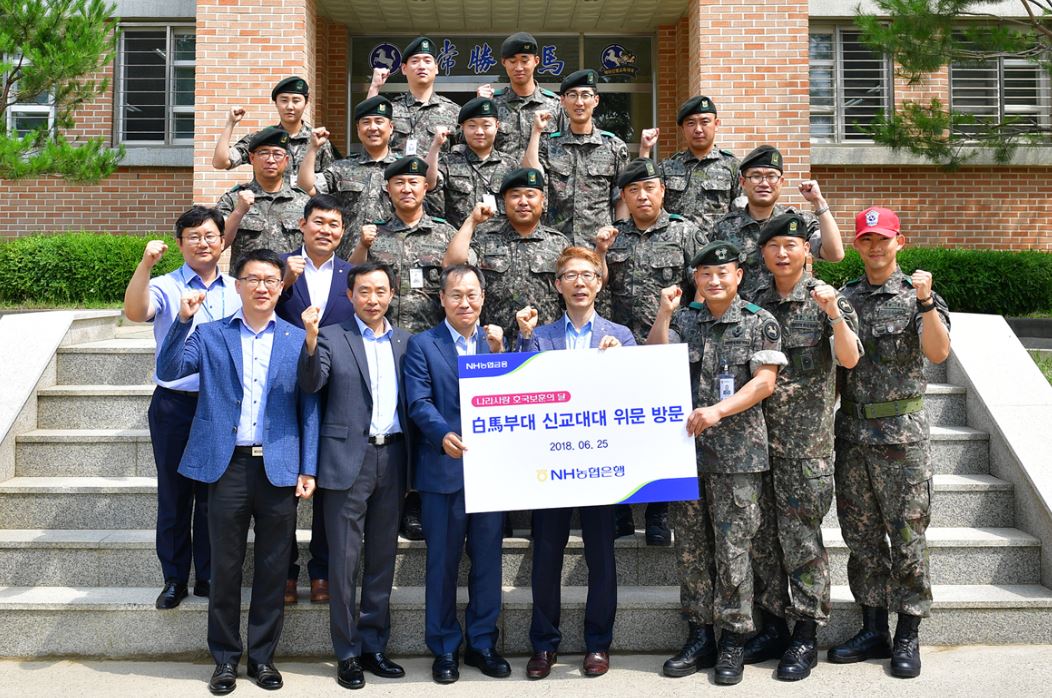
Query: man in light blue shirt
{"type": "Point", "coordinates": [180, 500]}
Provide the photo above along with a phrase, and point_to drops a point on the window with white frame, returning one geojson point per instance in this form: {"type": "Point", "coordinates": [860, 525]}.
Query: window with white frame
{"type": "Point", "coordinates": [849, 85]}
{"type": "Point", "coordinates": [156, 75]}
{"type": "Point", "coordinates": [999, 89]}
{"type": "Point", "coordinates": [29, 113]}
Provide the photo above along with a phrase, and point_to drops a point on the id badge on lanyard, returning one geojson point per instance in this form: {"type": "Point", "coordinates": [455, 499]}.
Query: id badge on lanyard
{"type": "Point", "coordinates": [725, 381]}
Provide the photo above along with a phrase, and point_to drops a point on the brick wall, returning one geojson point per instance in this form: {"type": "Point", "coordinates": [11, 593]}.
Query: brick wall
{"type": "Point", "coordinates": [330, 107]}
{"type": "Point", "coordinates": [673, 42]}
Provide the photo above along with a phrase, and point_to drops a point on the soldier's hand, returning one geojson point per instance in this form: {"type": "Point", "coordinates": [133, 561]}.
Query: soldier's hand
{"type": "Point", "coordinates": [453, 446]}
{"type": "Point", "coordinates": [245, 199]}
{"type": "Point", "coordinates": [305, 486]}
{"type": "Point", "coordinates": [922, 284]}
{"type": "Point", "coordinates": [810, 191]}
{"type": "Point", "coordinates": [670, 299]}
{"type": "Point", "coordinates": [481, 213]}
{"type": "Point", "coordinates": [319, 137]}
{"type": "Point", "coordinates": [189, 303]}
{"type": "Point", "coordinates": [380, 76]}
{"type": "Point", "coordinates": [527, 321]}
{"type": "Point", "coordinates": [494, 338]}
{"type": "Point", "coordinates": [234, 116]}
{"type": "Point", "coordinates": [825, 296]}
{"type": "Point", "coordinates": [155, 249]}
{"type": "Point", "coordinates": [368, 235]}
{"type": "Point", "coordinates": [701, 419]}
{"type": "Point", "coordinates": [294, 267]}
{"type": "Point", "coordinates": [441, 136]}
{"type": "Point", "coordinates": [541, 119]}
{"type": "Point", "coordinates": [604, 238]}
{"type": "Point", "coordinates": [649, 138]}
{"type": "Point", "coordinates": [609, 342]}
{"type": "Point", "coordinates": [485, 90]}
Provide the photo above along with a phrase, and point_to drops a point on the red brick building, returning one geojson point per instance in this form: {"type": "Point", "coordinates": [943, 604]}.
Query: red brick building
{"type": "Point", "coordinates": [787, 72]}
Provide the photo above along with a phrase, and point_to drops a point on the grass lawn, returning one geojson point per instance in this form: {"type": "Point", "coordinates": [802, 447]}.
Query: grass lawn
{"type": "Point", "coordinates": [1044, 362]}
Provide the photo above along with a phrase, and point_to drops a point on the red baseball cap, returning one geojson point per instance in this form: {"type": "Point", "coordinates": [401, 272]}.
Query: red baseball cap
{"type": "Point", "coordinates": [877, 220]}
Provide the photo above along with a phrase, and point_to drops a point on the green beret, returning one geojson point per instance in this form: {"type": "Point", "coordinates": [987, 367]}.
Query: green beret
{"type": "Point", "coordinates": [420, 44]}
{"type": "Point", "coordinates": [474, 108]}
{"type": "Point", "coordinates": [580, 78]}
{"type": "Point", "coordinates": [787, 224]}
{"type": "Point", "coordinates": [519, 42]}
{"type": "Point", "coordinates": [293, 85]}
{"type": "Point", "coordinates": [763, 156]}
{"type": "Point", "coordinates": [638, 170]}
{"type": "Point", "coordinates": [409, 165]}
{"type": "Point", "coordinates": [695, 105]}
{"type": "Point", "coordinates": [522, 178]}
{"type": "Point", "coordinates": [374, 106]}
{"type": "Point", "coordinates": [716, 253]}
{"type": "Point", "coordinates": [271, 135]}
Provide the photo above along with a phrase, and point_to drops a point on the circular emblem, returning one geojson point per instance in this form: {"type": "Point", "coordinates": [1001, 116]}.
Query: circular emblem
{"type": "Point", "coordinates": [433, 274]}
{"type": "Point", "coordinates": [844, 306]}
{"type": "Point", "coordinates": [771, 331]}
{"type": "Point", "coordinates": [872, 217]}
{"type": "Point", "coordinates": [617, 60]}
{"type": "Point", "coordinates": [542, 475]}
{"type": "Point", "coordinates": [738, 331]}
{"type": "Point", "coordinates": [385, 56]}
{"type": "Point", "coordinates": [666, 274]}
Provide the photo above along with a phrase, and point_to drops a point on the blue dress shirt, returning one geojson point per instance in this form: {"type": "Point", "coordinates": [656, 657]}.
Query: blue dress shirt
{"type": "Point", "coordinates": [383, 379]}
{"type": "Point", "coordinates": [255, 362]}
{"type": "Point", "coordinates": [578, 339]}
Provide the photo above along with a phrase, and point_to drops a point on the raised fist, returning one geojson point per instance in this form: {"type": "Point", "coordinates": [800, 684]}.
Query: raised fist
{"type": "Point", "coordinates": [235, 115]}
{"type": "Point", "coordinates": [189, 304]}
{"type": "Point", "coordinates": [155, 249]}
{"type": "Point", "coordinates": [527, 321]}
{"type": "Point", "coordinates": [245, 199]}
{"type": "Point", "coordinates": [368, 235]}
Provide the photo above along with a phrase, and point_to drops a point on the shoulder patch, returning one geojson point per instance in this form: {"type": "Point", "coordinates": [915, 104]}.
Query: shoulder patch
{"type": "Point", "coordinates": [553, 134]}
{"type": "Point", "coordinates": [844, 305]}
{"type": "Point", "coordinates": [439, 220]}
{"type": "Point", "coordinates": [676, 217]}
{"type": "Point", "coordinates": [752, 308]}
{"type": "Point", "coordinates": [771, 331]}
{"type": "Point", "coordinates": [608, 134]}
{"type": "Point", "coordinates": [548, 93]}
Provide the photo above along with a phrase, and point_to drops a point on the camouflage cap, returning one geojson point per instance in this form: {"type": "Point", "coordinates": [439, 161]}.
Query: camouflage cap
{"type": "Point", "coordinates": [716, 253]}
{"type": "Point", "coordinates": [638, 170]}
{"type": "Point", "coordinates": [420, 44]}
{"type": "Point", "coordinates": [293, 85]}
{"type": "Point", "coordinates": [522, 178]}
{"type": "Point", "coordinates": [519, 42]}
{"type": "Point", "coordinates": [762, 156]}
{"type": "Point", "coordinates": [695, 105]}
{"type": "Point", "coordinates": [409, 165]}
{"type": "Point", "coordinates": [790, 225]}
{"type": "Point", "coordinates": [580, 78]}
{"type": "Point", "coordinates": [374, 106]}
{"type": "Point", "coordinates": [477, 107]}
{"type": "Point", "coordinates": [271, 135]}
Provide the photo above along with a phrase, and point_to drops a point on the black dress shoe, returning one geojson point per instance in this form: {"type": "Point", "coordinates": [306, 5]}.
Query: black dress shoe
{"type": "Point", "coordinates": [380, 665]}
{"type": "Point", "coordinates": [657, 530]}
{"type": "Point", "coordinates": [224, 679]}
{"type": "Point", "coordinates": [445, 669]}
{"type": "Point", "coordinates": [266, 675]}
{"type": "Point", "coordinates": [488, 662]}
{"type": "Point", "coordinates": [624, 525]}
{"type": "Point", "coordinates": [349, 673]}
{"type": "Point", "coordinates": [202, 588]}
{"type": "Point", "coordinates": [171, 595]}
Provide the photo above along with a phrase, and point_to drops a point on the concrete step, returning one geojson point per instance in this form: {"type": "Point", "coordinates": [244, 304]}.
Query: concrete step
{"type": "Point", "coordinates": [960, 450]}
{"type": "Point", "coordinates": [85, 452]}
{"type": "Point", "coordinates": [110, 362]}
{"type": "Point", "coordinates": [946, 405]}
{"type": "Point", "coordinates": [121, 622]}
{"type": "Point", "coordinates": [126, 558]}
{"type": "Point", "coordinates": [935, 373]}
{"type": "Point", "coordinates": [93, 406]}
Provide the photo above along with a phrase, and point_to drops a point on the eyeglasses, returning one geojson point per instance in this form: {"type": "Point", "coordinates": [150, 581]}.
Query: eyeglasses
{"type": "Point", "coordinates": [211, 239]}
{"type": "Point", "coordinates": [271, 282]}
{"type": "Point", "coordinates": [275, 155]}
{"type": "Point", "coordinates": [473, 297]}
{"type": "Point", "coordinates": [571, 276]}
{"type": "Point", "coordinates": [757, 177]}
{"type": "Point", "coordinates": [579, 96]}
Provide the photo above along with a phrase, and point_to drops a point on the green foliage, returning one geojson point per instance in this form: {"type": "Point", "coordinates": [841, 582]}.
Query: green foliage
{"type": "Point", "coordinates": [54, 49]}
{"type": "Point", "coordinates": [970, 281]}
{"type": "Point", "coordinates": [75, 268]}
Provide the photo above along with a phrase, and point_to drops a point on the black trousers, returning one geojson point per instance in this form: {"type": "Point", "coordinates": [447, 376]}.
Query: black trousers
{"type": "Point", "coordinates": [318, 565]}
{"type": "Point", "coordinates": [241, 495]}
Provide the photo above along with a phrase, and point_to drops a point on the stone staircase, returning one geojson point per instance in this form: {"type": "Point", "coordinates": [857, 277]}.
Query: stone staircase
{"type": "Point", "coordinates": [78, 573]}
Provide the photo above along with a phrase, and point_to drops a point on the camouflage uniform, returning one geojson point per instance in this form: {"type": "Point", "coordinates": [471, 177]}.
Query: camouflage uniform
{"type": "Point", "coordinates": [297, 149]}
{"type": "Point", "coordinates": [582, 172]}
{"type": "Point", "coordinates": [732, 454]}
{"type": "Point", "coordinates": [422, 247]}
{"type": "Point", "coordinates": [463, 178]}
{"type": "Point", "coordinates": [744, 231]}
{"type": "Point", "coordinates": [358, 183]}
{"type": "Point", "coordinates": [701, 190]}
{"type": "Point", "coordinates": [419, 120]}
{"type": "Point", "coordinates": [273, 221]}
{"type": "Point", "coordinates": [642, 262]}
{"type": "Point", "coordinates": [883, 464]}
{"type": "Point", "coordinates": [798, 489]}
{"type": "Point", "coordinates": [519, 271]}
{"type": "Point", "coordinates": [516, 117]}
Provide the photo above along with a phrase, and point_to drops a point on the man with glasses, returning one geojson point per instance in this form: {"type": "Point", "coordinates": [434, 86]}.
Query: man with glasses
{"type": "Point", "coordinates": [581, 163]}
{"type": "Point", "coordinates": [761, 179]}
{"type": "Point", "coordinates": [264, 213]}
{"type": "Point", "coordinates": [182, 504]}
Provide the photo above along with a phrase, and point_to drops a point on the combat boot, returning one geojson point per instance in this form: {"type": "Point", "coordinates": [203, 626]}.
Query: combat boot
{"type": "Point", "coordinates": [770, 643]}
{"type": "Point", "coordinates": [873, 641]}
{"type": "Point", "coordinates": [729, 664]}
{"type": "Point", "coordinates": [699, 652]}
{"type": "Point", "coordinates": [905, 655]}
{"type": "Point", "coordinates": [802, 655]}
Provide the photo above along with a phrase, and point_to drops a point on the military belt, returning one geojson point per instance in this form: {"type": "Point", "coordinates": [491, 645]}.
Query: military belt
{"type": "Point", "coordinates": [876, 410]}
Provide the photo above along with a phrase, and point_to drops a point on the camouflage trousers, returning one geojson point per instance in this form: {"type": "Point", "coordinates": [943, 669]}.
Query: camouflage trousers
{"type": "Point", "coordinates": [695, 564]}
{"type": "Point", "coordinates": [883, 492]}
{"type": "Point", "coordinates": [789, 560]}
{"type": "Point", "coordinates": [734, 505]}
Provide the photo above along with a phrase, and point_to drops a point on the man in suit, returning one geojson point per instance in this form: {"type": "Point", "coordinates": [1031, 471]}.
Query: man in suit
{"type": "Point", "coordinates": [433, 393]}
{"type": "Point", "coordinates": [578, 279]}
{"type": "Point", "coordinates": [254, 441]}
{"type": "Point", "coordinates": [316, 277]}
{"type": "Point", "coordinates": [361, 464]}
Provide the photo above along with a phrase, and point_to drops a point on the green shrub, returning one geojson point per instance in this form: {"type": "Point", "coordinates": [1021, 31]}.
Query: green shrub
{"type": "Point", "coordinates": [74, 268]}
{"type": "Point", "coordinates": [971, 281]}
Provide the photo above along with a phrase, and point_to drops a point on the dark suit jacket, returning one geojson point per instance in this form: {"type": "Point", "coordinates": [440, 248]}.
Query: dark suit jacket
{"type": "Point", "coordinates": [339, 362]}
{"type": "Point", "coordinates": [553, 335]}
{"type": "Point", "coordinates": [433, 391]}
{"type": "Point", "coordinates": [295, 299]}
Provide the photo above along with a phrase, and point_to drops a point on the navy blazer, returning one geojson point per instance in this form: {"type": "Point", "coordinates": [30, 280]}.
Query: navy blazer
{"type": "Point", "coordinates": [339, 363]}
{"type": "Point", "coordinates": [432, 386]}
{"type": "Point", "coordinates": [290, 431]}
{"type": "Point", "coordinates": [553, 335]}
{"type": "Point", "coordinates": [296, 298]}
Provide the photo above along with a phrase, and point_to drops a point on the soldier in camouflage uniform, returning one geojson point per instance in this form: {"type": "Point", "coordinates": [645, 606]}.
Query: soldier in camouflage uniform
{"type": "Point", "coordinates": [581, 163]}
{"type": "Point", "coordinates": [734, 348]}
{"type": "Point", "coordinates": [266, 212]}
{"type": "Point", "coordinates": [761, 180]}
{"type": "Point", "coordinates": [356, 181]}
{"type": "Point", "coordinates": [420, 111]}
{"type": "Point", "coordinates": [798, 488]}
{"type": "Point", "coordinates": [290, 97]}
{"type": "Point", "coordinates": [472, 169]}
{"type": "Point", "coordinates": [883, 463]}
{"type": "Point", "coordinates": [413, 243]}
{"type": "Point", "coordinates": [701, 182]}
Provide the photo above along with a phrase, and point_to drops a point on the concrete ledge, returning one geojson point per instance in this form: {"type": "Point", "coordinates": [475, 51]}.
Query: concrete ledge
{"type": "Point", "coordinates": [819, 9]}
{"type": "Point", "coordinates": [149, 156]}
{"type": "Point", "coordinates": [869, 154]}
